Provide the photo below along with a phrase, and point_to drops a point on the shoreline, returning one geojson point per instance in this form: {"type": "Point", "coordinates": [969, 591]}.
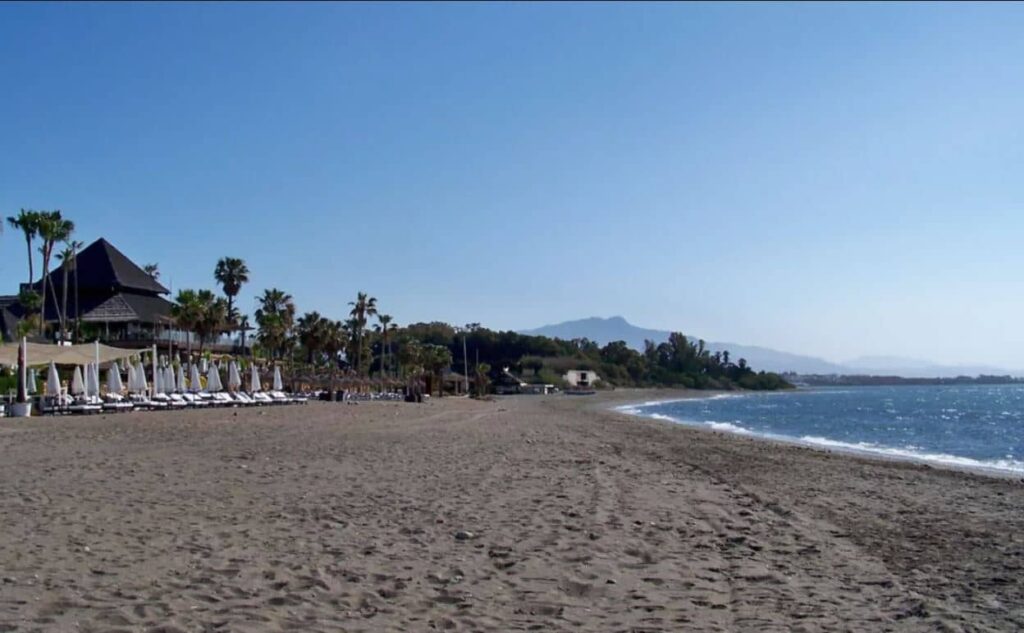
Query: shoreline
{"type": "Point", "coordinates": [826, 445]}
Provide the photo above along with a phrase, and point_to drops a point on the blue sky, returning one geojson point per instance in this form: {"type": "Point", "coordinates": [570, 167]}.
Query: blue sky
{"type": "Point", "coordinates": [838, 180]}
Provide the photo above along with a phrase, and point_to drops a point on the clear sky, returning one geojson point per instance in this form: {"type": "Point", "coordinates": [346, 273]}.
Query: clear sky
{"type": "Point", "coordinates": [837, 180]}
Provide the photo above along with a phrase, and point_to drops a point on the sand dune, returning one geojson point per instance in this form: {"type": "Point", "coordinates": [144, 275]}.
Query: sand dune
{"type": "Point", "coordinates": [520, 514]}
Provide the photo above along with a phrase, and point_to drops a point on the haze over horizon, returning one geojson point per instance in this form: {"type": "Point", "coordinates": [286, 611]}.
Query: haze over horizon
{"type": "Point", "coordinates": [837, 181]}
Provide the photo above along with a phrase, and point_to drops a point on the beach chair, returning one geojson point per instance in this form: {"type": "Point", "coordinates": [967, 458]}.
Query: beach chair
{"type": "Point", "coordinates": [242, 399]}
{"type": "Point", "coordinates": [116, 402]}
{"type": "Point", "coordinates": [279, 397]}
{"type": "Point", "coordinates": [193, 400]}
{"type": "Point", "coordinates": [261, 397]}
{"type": "Point", "coordinates": [140, 401]}
{"type": "Point", "coordinates": [85, 405]}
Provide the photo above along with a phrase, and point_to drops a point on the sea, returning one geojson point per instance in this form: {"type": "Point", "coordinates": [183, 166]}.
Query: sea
{"type": "Point", "coordinates": [979, 427]}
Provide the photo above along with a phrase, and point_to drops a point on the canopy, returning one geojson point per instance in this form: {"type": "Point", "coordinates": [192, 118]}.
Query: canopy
{"type": "Point", "coordinates": [77, 384]}
{"type": "Point", "coordinates": [114, 379]}
{"type": "Point", "coordinates": [278, 383]}
{"type": "Point", "coordinates": [52, 381]}
{"type": "Point", "coordinates": [254, 379]}
{"type": "Point", "coordinates": [194, 383]}
{"type": "Point", "coordinates": [42, 353]}
{"type": "Point", "coordinates": [213, 379]}
{"type": "Point", "coordinates": [234, 379]}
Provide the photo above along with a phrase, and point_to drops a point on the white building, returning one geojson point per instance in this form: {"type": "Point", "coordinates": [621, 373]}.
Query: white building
{"type": "Point", "coordinates": [581, 378]}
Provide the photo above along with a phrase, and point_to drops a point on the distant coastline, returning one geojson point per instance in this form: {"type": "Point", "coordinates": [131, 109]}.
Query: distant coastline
{"type": "Point", "coordinates": [832, 380]}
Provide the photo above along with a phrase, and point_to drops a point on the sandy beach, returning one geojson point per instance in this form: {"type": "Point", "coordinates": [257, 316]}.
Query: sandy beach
{"type": "Point", "coordinates": [528, 513]}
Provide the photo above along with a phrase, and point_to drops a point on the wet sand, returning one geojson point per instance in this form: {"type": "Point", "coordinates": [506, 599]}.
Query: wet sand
{"type": "Point", "coordinates": [528, 513]}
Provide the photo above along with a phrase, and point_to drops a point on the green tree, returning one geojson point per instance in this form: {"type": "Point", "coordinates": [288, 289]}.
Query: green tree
{"type": "Point", "coordinates": [53, 228]}
{"type": "Point", "coordinates": [311, 330]}
{"type": "Point", "coordinates": [187, 312]}
{"type": "Point", "coordinates": [275, 318]}
{"type": "Point", "coordinates": [363, 307]}
{"type": "Point", "coordinates": [231, 273]}
{"type": "Point", "coordinates": [27, 221]}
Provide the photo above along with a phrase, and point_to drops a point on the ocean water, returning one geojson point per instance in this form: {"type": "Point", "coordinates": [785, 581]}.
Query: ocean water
{"type": "Point", "coordinates": [973, 426]}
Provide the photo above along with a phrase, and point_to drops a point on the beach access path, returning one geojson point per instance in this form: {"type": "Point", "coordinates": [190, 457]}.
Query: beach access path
{"type": "Point", "coordinates": [523, 513]}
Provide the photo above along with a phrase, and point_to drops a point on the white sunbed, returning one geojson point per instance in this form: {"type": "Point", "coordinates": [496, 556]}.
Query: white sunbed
{"type": "Point", "coordinates": [261, 397]}
{"type": "Point", "coordinates": [140, 401]}
{"type": "Point", "coordinates": [221, 398]}
{"type": "Point", "coordinates": [192, 400]}
{"type": "Point", "coordinates": [243, 399]}
{"type": "Point", "coordinates": [86, 404]}
{"type": "Point", "coordinates": [116, 402]}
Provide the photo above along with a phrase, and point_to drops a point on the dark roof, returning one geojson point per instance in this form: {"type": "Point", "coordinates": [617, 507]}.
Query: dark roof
{"type": "Point", "coordinates": [103, 267]}
{"type": "Point", "coordinates": [126, 307]}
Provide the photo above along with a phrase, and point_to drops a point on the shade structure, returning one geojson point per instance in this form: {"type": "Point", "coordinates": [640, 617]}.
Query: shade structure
{"type": "Point", "coordinates": [254, 379]}
{"type": "Point", "coordinates": [140, 378]}
{"type": "Point", "coordinates": [278, 383]}
{"type": "Point", "coordinates": [194, 383]}
{"type": "Point", "coordinates": [180, 377]}
{"type": "Point", "coordinates": [77, 382]}
{"type": "Point", "coordinates": [213, 383]}
{"type": "Point", "coordinates": [42, 353]}
{"type": "Point", "coordinates": [114, 384]}
{"type": "Point", "coordinates": [30, 387]}
{"type": "Point", "coordinates": [52, 381]}
{"type": "Point", "coordinates": [234, 378]}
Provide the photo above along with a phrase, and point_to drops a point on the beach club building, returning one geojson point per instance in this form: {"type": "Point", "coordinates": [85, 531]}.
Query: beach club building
{"type": "Point", "coordinates": [114, 299]}
{"type": "Point", "coordinates": [581, 378]}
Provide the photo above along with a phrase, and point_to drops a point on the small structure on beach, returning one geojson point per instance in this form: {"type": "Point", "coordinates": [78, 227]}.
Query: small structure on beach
{"type": "Point", "coordinates": [581, 378]}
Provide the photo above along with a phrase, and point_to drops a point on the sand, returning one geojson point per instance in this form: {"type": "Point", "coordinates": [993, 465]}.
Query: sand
{"type": "Point", "coordinates": [528, 513]}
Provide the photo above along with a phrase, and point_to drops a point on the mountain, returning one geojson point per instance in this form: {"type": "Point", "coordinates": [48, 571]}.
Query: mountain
{"type": "Point", "coordinates": [603, 331]}
{"type": "Point", "coordinates": [616, 328]}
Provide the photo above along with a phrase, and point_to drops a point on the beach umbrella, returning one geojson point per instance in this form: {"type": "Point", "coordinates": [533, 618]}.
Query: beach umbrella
{"type": "Point", "coordinates": [213, 383]}
{"type": "Point", "coordinates": [169, 386]}
{"type": "Point", "coordinates": [77, 384]}
{"type": "Point", "coordinates": [131, 376]}
{"type": "Point", "coordinates": [52, 381]}
{"type": "Point", "coordinates": [234, 379]}
{"type": "Point", "coordinates": [31, 386]}
{"type": "Point", "coordinates": [140, 376]}
{"type": "Point", "coordinates": [254, 379]}
{"type": "Point", "coordinates": [114, 379]}
{"type": "Point", "coordinates": [278, 383]}
{"type": "Point", "coordinates": [194, 383]}
{"type": "Point", "coordinates": [181, 377]}
{"type": "Point", "coordinates": [91, 386]}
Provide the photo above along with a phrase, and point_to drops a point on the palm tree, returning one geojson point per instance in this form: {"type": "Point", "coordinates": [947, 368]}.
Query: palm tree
{"type": "Point", "coordinates": [275, 318]}
{"type": "Point", "coordinates": [385, 327]}
{"type": "Point", "coordinates": [243, 327]}
{"type": "Point", "coordinates": [52, 228]}
{"type": "Point", "coordinates": [231, 273]}
{"type": "Point", "coordinates": [67, 258]}
{"type": "Point", "coordinates": [187, 311]}
{"type": "Point", "coordinates": [213, 316]}
{"type": "Point", "coordinates": [153, 270]}
{"type": "Point", "coordinates": [362, 308]}
{"type": "Point", "coordinates": [334, 338]}
{"type": "Point", "coordinates": [27, 221]}
{"type": "Point", "coordinates": [311, 332]}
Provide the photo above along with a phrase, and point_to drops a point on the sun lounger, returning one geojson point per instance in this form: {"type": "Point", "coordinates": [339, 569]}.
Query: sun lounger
{"type": "Point", "coordinates": [116, 402]}
{"type": "Point", "coordinates": [140, 401]}
{"type": "Point", "coordinates": [243, 399]}
{"type": "Point", "coordinates": [261, 397]}
{"type": "Point", "coordinates": [192, 400]}
{"type": "Point", "coordinates": [170, 401]}
{"type": "Point", "coordinates": [223, 399]}
{"type": "Point", "coordinates": [86, 405]}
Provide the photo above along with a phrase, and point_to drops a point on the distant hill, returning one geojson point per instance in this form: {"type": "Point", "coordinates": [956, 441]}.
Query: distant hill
{"type": "Point", "coordinates": [603, 331]}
